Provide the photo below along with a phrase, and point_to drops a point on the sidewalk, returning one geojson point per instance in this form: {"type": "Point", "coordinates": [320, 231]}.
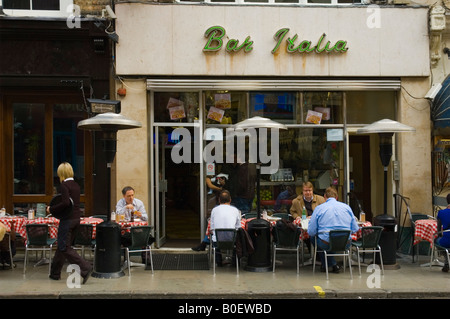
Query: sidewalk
{"type": "Point", "coordinates": [409, 281]}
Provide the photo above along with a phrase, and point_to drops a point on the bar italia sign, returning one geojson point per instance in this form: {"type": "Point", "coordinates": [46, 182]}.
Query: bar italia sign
{"type": "Point", "coordinates": [216, 34]}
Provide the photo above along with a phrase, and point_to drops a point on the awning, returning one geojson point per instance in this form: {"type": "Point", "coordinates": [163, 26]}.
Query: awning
{"type": "Point", "coordinates": [440, 107]}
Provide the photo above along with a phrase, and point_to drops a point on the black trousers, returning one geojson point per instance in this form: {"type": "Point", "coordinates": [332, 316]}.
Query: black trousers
{"type": "Point", "coordinates": [67, 252]}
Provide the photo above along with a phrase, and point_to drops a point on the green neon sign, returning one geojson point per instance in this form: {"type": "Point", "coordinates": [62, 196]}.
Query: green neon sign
{"type": "Point", "coordinates": [215, 42]}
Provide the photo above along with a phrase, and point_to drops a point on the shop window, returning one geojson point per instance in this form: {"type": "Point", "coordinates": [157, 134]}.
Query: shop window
{"type": "Point", "coordinates": [223, 107]}
{"type": "Point", "coordinates": [176, 107]}
{"type": "Point", "coordinates": [321, 108]}
{"type": "Point", "coordinates": [29, 155]}
{"type": "Point", "coordinates": [366, 107]}
{"type": "Point", "coordinates": [68, 141]}
{"type": "Point", "coordinates": [278, 106]}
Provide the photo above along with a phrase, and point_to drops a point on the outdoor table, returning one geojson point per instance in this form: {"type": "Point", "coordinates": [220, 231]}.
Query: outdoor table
{"type": "Point", "coordinates": [18, 221]}
{"type": "Point", "coordinates": [92, 221]}
{"type": "Point", "coordinates": [52, 222]}
{"type": "Point", "coordinates": [426, 230]}
{"type": "Point", "coordinates": [126, 225]}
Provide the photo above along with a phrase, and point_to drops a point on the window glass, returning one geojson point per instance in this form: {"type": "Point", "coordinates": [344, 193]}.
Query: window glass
{"type": "Point", "coordinates": [278, 106]}
{"type": "Point", "coordinates": [68, 141]}
{"type": "Point", "coordinates": [176, 106]}
{"type": "Point", "coordinates": [224, 107]}
{"type": "Point", "coordinates": [365, 107]}
{"type": "Point", "coordinates": [16, 4]}
{"type": "Point", "coordinates": [45, 4]}
{"type": "Point", "coordinates": [29, 146]}
{"type": "Point", "coordinates": [322, 108]}
{"type": "Point", "coordinates": [35, 4]}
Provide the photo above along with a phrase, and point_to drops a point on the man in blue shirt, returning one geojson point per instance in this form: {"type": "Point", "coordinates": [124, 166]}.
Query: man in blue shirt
{"type": "Point", "coordinates": [330, 215]}
{"type": "Point", "coordinates": [443, 220]}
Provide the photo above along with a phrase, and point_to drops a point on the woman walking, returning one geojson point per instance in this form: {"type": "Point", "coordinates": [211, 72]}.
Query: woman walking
{"type": "Point", "coordinates": [68, 212]}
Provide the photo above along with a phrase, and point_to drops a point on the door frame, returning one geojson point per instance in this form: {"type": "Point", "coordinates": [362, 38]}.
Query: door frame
{"type": "Point", "coordinates": [156, 187]}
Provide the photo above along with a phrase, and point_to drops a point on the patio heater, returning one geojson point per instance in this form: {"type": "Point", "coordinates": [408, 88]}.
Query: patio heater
{"type": "Point", "coordinates": [107, 253]}
{"type": "Point", "coordinates": [385, 129]}
{"type": "Point", "coordinates": [259, 229]}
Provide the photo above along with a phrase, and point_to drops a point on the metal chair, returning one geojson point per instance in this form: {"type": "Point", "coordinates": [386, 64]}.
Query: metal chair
{"type": "Point", "coordinates": [10, 251]}
{"type": "Point", "coordinates": [339, 246]}
{"type": "Point", "coordinates": [225, 241]}
{"type": "Point", "coordinates": [38, 240]}
{"type": "Point", "coordinates": [436, 248]}
{"type": "Point", "coordinates": [288, 240]}
{"type": "Point", "coordinates": [413, 217]}
{"type": "Point", "coordinates": [369, 243]}
{"type": "Point", "coordinates": [83, 238]}
{"type": "Point", "coordinates": [140, 242]}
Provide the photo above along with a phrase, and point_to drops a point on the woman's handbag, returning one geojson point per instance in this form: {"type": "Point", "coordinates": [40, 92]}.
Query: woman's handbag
{"type": "Point", "coordinates": [64, 213]}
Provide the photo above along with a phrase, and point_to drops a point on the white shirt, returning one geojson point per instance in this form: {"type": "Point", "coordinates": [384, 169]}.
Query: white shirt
{"type": "Point", "coordinates": [225, 216]}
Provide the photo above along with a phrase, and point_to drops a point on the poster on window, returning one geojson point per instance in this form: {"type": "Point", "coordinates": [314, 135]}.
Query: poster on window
{"type": "Point", "coordinates": [222, 101]}
{"type": "Point", "coordinates": [215, 114]}
{"type": "Point", "coordinates": [177, 112]}
{"type": "Point", "coordinates": [313, 117]}
{"type": "Point", "coordinates": [174, 102]}
{"type": "Point", "coordinates": [325, 112]}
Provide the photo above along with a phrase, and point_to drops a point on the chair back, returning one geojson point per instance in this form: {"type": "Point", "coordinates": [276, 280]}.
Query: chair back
{"type": "Point", "coordinates": [37, 234]}
{"type": "Point", "coordinates": [339, 240]}
{"type": "Point", "coordinates": [140, 236]}
{"type": "Point", "coordinates": [225, 238]}
{"type": "Point", "coordinates": [83, 234]}
{"type": "Point", "coordinates": [370, 236]}
{"type": "Point", "coordinates": [250, 215]}
{"type": "Point", "coordinates": [285, 236]}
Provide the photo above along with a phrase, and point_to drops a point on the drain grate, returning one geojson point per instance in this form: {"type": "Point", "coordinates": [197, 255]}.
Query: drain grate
{"type": "Point", "coordinates": [180, 262]}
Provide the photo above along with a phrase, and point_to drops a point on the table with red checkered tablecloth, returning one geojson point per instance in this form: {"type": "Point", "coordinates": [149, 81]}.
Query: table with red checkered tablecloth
{"type": "Point", "coordinates": [92, 221]}
{"type": "Point", "coordinates": [8, 221]}
{"type": "Point", "coordinates": [425, 230]}
{"type": "Point", "coordinates": [298, 222]}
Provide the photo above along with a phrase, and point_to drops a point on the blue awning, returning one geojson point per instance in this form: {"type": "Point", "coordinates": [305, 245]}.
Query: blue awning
{"type": "Point", "coordinates": [440, 107]}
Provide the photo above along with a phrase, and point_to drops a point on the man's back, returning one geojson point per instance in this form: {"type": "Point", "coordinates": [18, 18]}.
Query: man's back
{"type": "Point", "coordinates": [225, 216]}
{"type": "Point", "coordinates": [331, 215]}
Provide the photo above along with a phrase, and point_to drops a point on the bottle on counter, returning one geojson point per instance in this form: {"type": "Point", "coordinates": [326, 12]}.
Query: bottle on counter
{"type": "Point", "coordinates": [304, 213]}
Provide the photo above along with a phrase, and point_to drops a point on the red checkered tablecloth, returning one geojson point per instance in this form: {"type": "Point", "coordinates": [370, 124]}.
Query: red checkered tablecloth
{"type": "Point", "coordinates": [9, 220]}
{"type": "Point", "coordinates": [93, 221]}
{"type": "Point", "coordinates": [126, 225]}
{"type": "Point", "coordinates": [51, 221]}
{"type": "Point", "coordinates": [298, 222]}
{"type": "Point", "coordinates": [425, 230]}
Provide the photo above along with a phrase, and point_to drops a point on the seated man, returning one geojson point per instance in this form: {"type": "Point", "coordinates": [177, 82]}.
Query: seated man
{"type": "Point", "coordinates": [133, 204]}
{"type": "Point", "coordinates": [443, 220]}
{"type": "Point", "coordinates": [137, 207]}
{"type": "Point", "coordinates": [307, 199]}
{"type": "Point", "coordinates": [224, 216]}
{"type": "Point", "coordinates": [331, 215]}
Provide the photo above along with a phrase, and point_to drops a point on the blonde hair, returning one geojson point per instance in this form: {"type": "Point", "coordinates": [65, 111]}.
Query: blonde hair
{"type": "Point", "coordinates": [64, 171]}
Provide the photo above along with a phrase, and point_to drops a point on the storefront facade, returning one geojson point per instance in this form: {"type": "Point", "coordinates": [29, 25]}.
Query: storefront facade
{"type": "Point", "coordinates": [324, 72]}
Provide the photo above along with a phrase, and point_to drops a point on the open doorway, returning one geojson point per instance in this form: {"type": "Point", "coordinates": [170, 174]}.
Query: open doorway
{"type": "Point", "coordinates": [360, 186]}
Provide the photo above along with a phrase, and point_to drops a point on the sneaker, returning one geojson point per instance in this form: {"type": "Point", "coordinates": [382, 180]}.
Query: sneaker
{"type": "Point", "coordinates": [336, 269]}
{"type": "Point", "coordinates": [445, 268]}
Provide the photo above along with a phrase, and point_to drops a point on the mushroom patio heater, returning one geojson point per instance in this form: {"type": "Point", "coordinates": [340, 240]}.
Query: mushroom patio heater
{"type": "Point", "coordinates": [386, 129]}
{"type": "Point", "coordinates": [107, 253]}
{"type": "Point", "coordinates": [259, 229]}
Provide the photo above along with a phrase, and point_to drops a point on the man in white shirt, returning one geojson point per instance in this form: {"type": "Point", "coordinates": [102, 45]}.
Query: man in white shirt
{"type": "Point", "coordinates": [128, 202]}
{"type": "Point", "coordinates": [224, 216]}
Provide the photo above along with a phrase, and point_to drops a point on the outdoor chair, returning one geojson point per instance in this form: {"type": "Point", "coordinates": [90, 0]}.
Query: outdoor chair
{"type": "Point", "coordinates": [225, 241]}
{"type": "Point", "coordinates": [38, 240]}
{"type": "Point", "coordinates": [438, 248]}
{"type": "Point", "coordinates": [369, 243]}
{"type": "Point", "coordinates": [339, 246]}
{"type": "Point", "coordinates": [140, 242]}
{"type": "Point", "coordinates": [287, 239]}
{"type": "Point", "coordinates": [83, 238]}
